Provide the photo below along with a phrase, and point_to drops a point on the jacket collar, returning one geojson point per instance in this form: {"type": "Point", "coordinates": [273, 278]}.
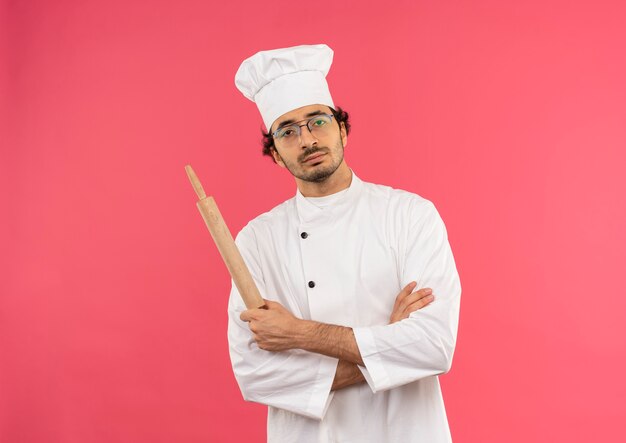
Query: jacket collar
{"type": "Point", "coordinates": [309, 213]}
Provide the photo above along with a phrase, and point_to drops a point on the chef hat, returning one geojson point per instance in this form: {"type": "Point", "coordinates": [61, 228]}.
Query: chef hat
{"type": "Point", "coordinates": [282, 80]}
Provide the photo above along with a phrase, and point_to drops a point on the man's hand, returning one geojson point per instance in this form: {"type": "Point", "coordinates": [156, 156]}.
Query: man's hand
{"type": "Point", "coordinates": [273, 328]}
{"type": "Point", "coordinates": [276, 329]}
{"type": "Point", "coordinates": [408, 301]}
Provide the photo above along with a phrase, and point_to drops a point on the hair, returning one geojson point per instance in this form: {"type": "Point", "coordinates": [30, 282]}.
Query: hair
{"type": "Point", "coordinates": [268, 141]}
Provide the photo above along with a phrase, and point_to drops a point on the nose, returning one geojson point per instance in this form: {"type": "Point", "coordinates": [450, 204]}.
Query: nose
{"type": "Point", "coordinates": [306, 137]}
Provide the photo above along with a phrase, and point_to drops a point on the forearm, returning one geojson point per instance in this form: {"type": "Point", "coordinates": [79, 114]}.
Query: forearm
{"type": "Point", "coordinates": [347, 374]}
{"type": "Point", "coordinates": [331, 340]}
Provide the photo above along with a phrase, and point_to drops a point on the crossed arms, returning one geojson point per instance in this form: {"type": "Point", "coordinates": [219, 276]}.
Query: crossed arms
{"type": "Point", "coordinates": [275, 329]}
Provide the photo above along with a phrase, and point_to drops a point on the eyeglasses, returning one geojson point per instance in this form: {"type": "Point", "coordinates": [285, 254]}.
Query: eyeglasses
{"type": "Point", "coordinates": [289, 136]}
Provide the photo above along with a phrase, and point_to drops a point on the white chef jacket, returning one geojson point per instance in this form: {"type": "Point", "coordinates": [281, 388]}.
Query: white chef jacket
{"type": "Point", "coordinates": [344, 264]}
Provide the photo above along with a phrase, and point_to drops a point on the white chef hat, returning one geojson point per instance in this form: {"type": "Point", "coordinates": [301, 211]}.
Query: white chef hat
{"type": "Point", "coordinates": [282, 80]}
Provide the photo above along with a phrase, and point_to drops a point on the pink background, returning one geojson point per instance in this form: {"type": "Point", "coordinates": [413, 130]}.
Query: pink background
{"type": "Point", "coordinates": [509, 115]}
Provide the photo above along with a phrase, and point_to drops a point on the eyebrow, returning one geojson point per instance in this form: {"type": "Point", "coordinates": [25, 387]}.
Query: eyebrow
{"type": "Point", "coordinates": [309, 115]}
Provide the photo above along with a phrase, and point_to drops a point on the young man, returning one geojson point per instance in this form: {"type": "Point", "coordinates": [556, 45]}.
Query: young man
{"type": "Point", "coordinates": [346, 351]}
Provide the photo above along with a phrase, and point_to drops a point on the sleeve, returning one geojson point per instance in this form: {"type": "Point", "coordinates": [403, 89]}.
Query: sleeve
{"type": "Point", "coordinates": [295, 380]}
{"type": "Point", "coordinates": [423, 344]}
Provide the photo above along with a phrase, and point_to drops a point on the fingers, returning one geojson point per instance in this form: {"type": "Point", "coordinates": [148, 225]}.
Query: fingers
{"type": "Point", "coordinates": [255, 314]}
{"type": "Point", "coordinates": [246, 315]}
{"type": "Point", "coordinates": [418, 300]}
{"type": "Point", "coordinates": [406, 291]}
{"type": "Point", "coordinates": [425, 293]}
{"type": "Point", "coordinates": [412, 297]}
{"type": "Point", "coordinates": [402, 295]}
{"type": "Point", "coordinates": [251, 314]}
{"type": "Point", "coordinates": [419, 304]}
{"type": "Point", "coordinates": [408, 301]}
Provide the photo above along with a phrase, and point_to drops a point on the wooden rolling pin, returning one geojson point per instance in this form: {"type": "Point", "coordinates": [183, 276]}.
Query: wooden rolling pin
{"type": "Point", "coordinates": [226, 245]}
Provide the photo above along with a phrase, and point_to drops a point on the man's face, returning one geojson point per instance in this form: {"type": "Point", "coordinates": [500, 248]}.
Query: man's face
{"type": "Point", "coordinates": [317, 156]}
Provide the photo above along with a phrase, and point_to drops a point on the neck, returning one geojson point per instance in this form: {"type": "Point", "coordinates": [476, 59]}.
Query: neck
{"type": "Point", "coordinates": [338, 181]}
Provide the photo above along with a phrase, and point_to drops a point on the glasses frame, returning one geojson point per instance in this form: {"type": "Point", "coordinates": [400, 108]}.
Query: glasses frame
{"type": "Point", "coordinates": [298, 130]}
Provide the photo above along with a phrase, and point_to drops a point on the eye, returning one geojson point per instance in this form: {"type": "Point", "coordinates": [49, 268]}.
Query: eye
{"type": "Point", "coordinates": [319, 122]}
{"type": "Point", "coordinates": [286, 132]}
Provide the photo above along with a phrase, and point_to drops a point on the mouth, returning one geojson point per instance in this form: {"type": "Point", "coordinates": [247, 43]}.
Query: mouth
{"type": "Point", "coordinates": [314, 157]}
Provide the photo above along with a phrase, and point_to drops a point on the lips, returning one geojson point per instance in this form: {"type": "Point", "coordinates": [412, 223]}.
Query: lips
{"type": "Point", "coordinates": [313, 157]}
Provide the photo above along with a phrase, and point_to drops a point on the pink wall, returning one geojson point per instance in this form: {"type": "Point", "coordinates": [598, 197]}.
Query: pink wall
{"type": "Point", "coordinates": [509, 115]}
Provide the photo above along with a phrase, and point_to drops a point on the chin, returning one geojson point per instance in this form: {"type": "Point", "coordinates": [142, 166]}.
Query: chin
{"type": "Point", "coordinates": [319, 176]}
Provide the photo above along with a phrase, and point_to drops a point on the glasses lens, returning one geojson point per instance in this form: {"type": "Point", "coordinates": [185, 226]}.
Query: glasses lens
{"type": "Point", "coordinates": [319, 123]}
{"type": "Point", "coordinates": [288, 135]}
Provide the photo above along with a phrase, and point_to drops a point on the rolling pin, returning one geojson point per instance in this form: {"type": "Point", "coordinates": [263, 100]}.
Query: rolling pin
{"type": "Point", "coordinates": [226, 245]}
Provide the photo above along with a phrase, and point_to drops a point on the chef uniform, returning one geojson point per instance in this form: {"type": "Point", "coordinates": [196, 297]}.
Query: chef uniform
{"type": "Point", "coordinates": [342, 259]}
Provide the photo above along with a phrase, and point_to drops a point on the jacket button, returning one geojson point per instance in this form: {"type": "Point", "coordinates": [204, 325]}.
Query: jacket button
{"type": "Point", "coordinates": [311, 284]}
{"type": "Point", "coordinates": [304, 235]}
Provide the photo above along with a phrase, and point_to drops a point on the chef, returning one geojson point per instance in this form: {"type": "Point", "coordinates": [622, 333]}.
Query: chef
{"type": "Point", "coordinates": [362, 293]}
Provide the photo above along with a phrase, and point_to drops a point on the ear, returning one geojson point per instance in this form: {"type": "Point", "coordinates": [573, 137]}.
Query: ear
{"type": "Point", "coordinates": [344, 134]}
{"type": "Point", "coordinates": [277, 158]}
